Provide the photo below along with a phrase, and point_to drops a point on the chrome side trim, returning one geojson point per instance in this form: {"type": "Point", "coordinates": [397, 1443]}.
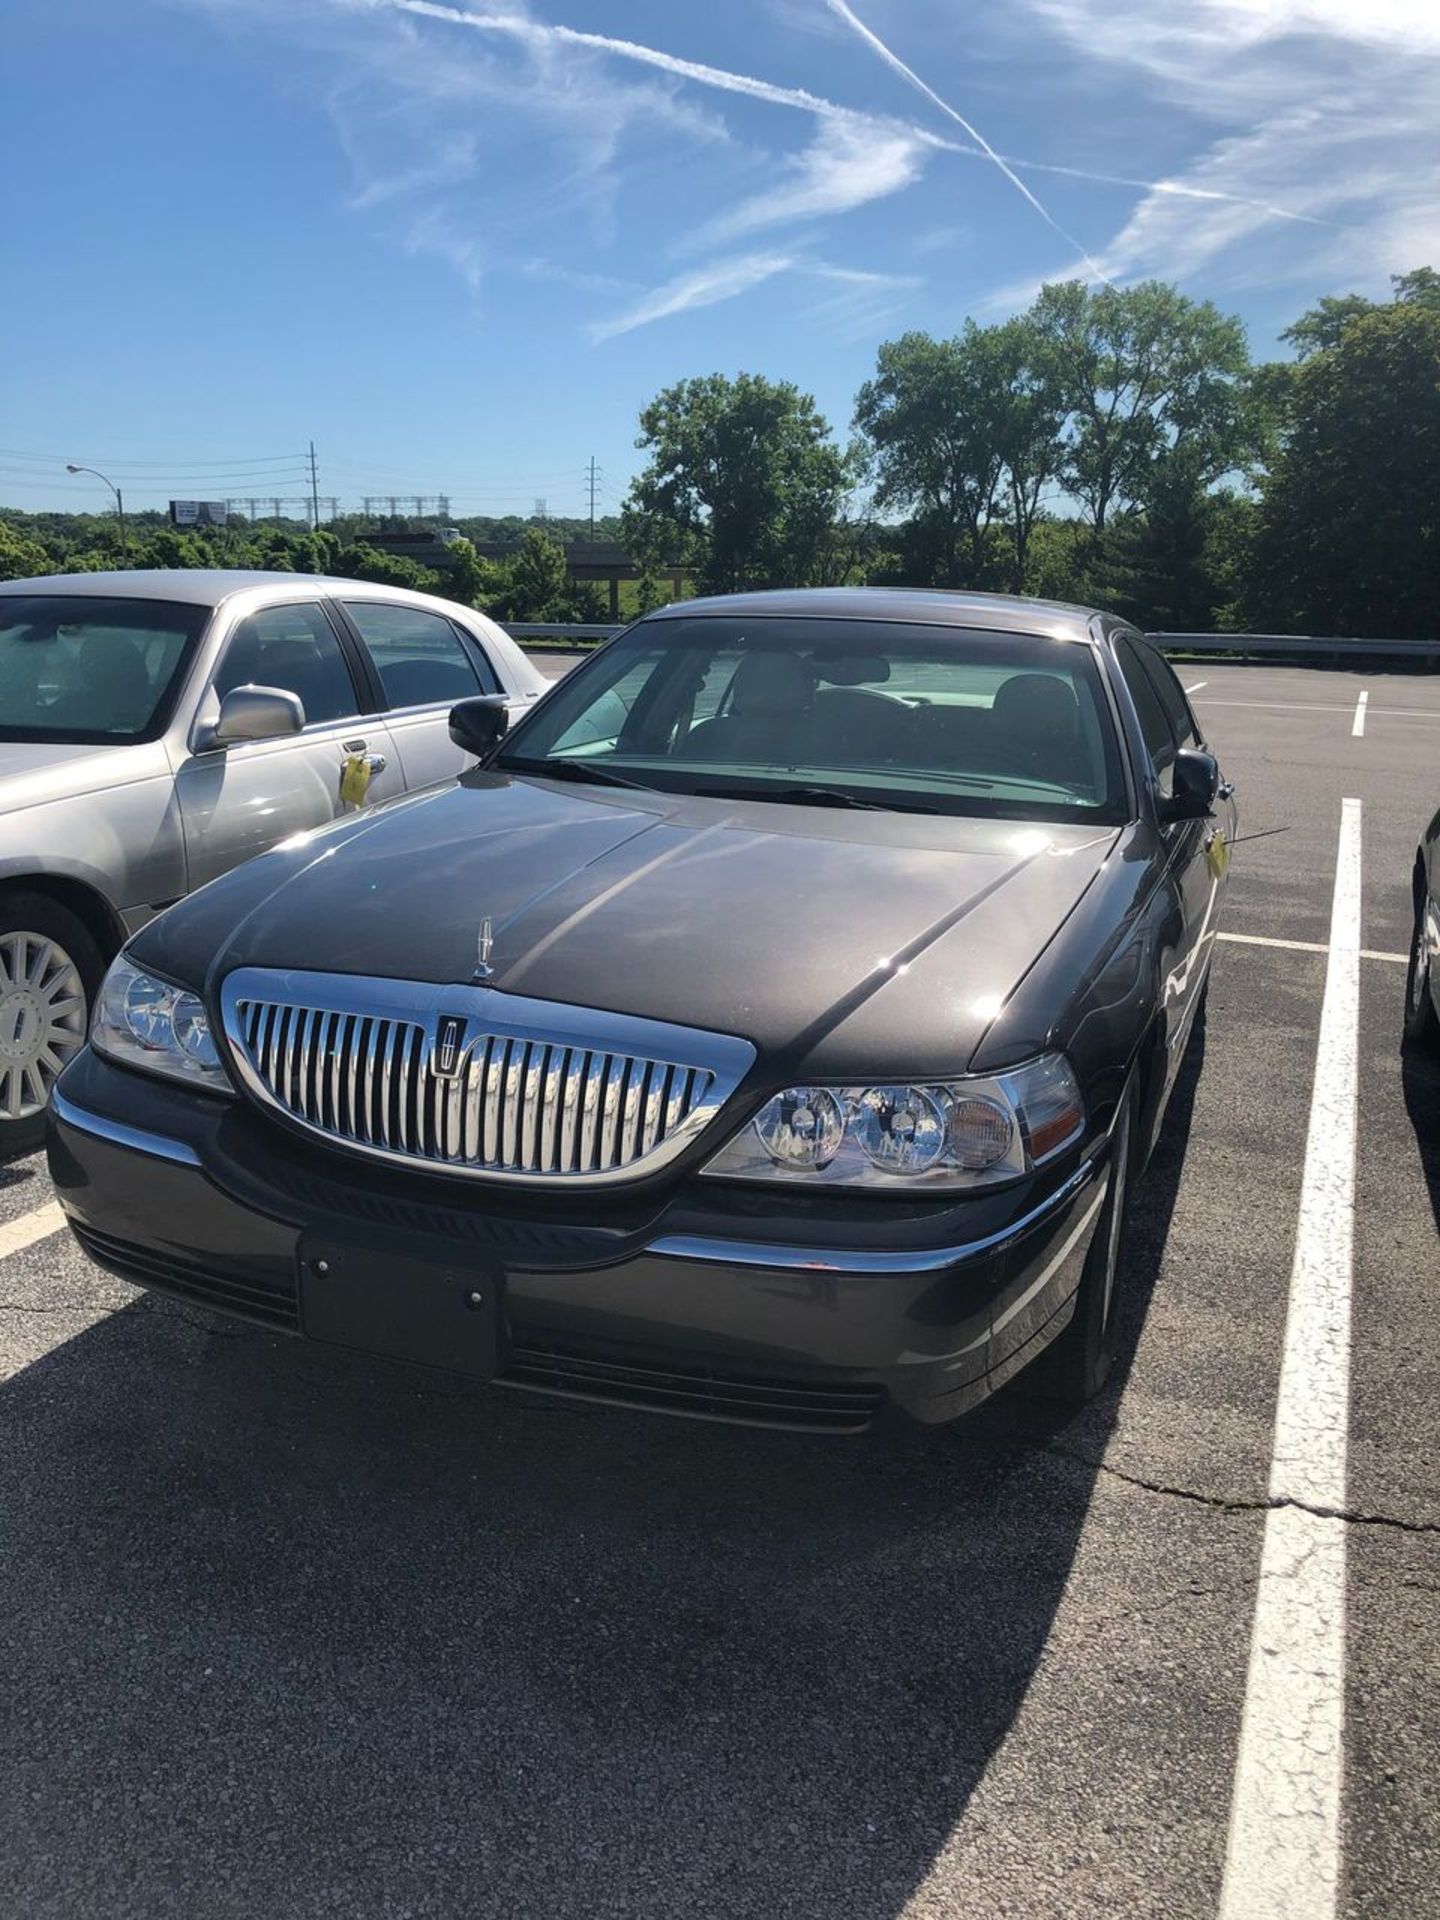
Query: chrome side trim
{"type": "Point", "coordinates": [756, 1253]}
{"type": "Point", "coordinates": [157, 1145]}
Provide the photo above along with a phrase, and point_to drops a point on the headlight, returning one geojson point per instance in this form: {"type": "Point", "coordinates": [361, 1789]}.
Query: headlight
{"type": "Point", "coordinates": [156, 1026]}
{"type": "Point", "coordinates": [951, 1134]}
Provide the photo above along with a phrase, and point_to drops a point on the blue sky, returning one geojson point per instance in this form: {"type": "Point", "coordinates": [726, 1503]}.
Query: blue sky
{"type": "Point", "coordinates": [461, 246]}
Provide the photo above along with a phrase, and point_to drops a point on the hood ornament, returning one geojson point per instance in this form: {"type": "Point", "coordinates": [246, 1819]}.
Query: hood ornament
{"type": "Point", "coordinates": [485, 947]}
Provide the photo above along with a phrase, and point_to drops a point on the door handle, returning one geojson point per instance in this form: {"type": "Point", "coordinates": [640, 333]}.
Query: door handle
{"type": "Point", "coordinates": [1225, 790]}
{"type": "Point", "coordinates": [376, 763]}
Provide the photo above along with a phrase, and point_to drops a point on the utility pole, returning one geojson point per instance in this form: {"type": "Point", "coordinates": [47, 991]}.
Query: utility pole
{"type": "Point", "coordinates": [392, 503]}
{"type": "Point", "coordinates": [419, 505]}
{"type": "Point", "coordinates": [276, 505]}
{"type": "Point", "coordinates": [250, 506]}
{"type": "Point", "coordinates": [119, 503]}
{"type": "Point", "coordinates": [314, 492]}
{"type": "Point", "coordinates": [591, 478]}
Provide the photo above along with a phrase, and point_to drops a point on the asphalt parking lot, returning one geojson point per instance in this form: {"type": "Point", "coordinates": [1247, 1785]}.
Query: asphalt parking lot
{"type": "Point", "coordinates": [287, 1633]}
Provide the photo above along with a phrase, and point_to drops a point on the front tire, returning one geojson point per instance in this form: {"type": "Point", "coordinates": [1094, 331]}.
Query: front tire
{"type": "Point", "coordinates": [1077, 1364]}
{"type": "Point", "coordinates": [50, 972]}
{"type": "Point", "coordinates": [1422, 1027]}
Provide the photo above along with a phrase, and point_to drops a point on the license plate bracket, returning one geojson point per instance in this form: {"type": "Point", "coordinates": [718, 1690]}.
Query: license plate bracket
{"type": "Point", "coordinates": [387, 1301]}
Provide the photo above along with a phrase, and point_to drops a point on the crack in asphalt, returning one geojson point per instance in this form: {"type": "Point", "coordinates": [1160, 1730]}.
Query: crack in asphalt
{"type": "Point", "coordinates": [1225, 1503]}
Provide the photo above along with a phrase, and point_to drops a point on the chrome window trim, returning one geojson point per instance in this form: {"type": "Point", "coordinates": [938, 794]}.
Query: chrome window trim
{"type": "Point", "coordinates": [136, 1139]}
{"type": "Point", "coordinates": [755, 1253]}
{"type": "Point", "coordinates": [490, 1015]}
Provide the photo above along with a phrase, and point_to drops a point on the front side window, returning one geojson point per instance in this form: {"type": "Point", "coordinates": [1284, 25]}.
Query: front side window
{"type": "Point", "coordinates": [78, 667]}
{"type": "Point", "coordinates": [865, 712]}
{"type": "Point", "coordinates": [295, 649]}
{"type": "Point", "coordinates": [1171, 694]}
{"type": "Point", "coordinates": [418, 655]}
{"type": "Point", "coordinates": [1155, 724]}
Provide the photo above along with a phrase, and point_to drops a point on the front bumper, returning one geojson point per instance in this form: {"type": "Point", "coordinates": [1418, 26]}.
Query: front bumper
{"type": "Point", "coordinates": [707, 1307]}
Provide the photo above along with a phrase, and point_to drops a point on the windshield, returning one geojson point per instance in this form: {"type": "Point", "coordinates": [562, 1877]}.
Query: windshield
{"type": "Point", "coordinates": [81, 668]}
{"type": "Point", "coordinates": [881, 713]}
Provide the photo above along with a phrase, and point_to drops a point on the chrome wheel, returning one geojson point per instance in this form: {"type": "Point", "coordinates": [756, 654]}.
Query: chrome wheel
{"type": "Point", "coordinates": [42, 1019]}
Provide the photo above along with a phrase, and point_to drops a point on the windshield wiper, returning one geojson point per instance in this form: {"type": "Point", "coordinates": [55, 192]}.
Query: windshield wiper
{"type": "Point", "coordinates": [572, 770]}
{"type": "Point", "coordinates": [812, 797]}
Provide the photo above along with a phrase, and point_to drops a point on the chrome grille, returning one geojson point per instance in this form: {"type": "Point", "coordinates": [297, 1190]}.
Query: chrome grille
{"type": "Point", "coordinates": [535, 1090]}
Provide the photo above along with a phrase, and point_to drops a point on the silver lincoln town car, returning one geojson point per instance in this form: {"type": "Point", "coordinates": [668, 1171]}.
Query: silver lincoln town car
{"type": "Point", "coordinates": [156, 729]}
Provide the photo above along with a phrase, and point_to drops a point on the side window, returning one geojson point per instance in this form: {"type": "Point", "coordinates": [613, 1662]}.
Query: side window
{"type": "Point", "coordinates": [1171, 694]}
{"type": "Point", "coordinates": [1154, 721]}
{"type": "Point", "coordinates": [604, 720]}
{"type": "Point", "coordinates": [293, 648]}
{"type": "Point", "coordinates": [419, 656]}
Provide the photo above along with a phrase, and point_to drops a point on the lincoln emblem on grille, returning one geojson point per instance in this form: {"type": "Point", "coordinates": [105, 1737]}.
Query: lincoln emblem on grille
{"type": "Point", "coordinates": [449, 1039]}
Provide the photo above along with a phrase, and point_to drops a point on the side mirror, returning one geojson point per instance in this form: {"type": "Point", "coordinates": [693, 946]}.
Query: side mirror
{"type": "Point", "coordinates": [479, 725]}
{"type": "Point", "coordinates": [1195, 785]}
{"type": "Point", "coordinates": [252, 713]}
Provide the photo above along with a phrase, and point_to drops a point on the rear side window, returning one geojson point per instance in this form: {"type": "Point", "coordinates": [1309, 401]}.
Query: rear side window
{"type": "Point", "coordinates": [419, 656]}
{"type": "Point", "coordinates": [295, 649]}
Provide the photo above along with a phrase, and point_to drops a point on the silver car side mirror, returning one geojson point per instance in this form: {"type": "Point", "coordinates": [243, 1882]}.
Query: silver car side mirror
{"type": "Point", "coordinates": [253, 713]}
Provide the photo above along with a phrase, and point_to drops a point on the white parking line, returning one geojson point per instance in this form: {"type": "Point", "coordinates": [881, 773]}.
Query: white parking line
{"type": "Point", "coordinates": [1315, 706]}
{"type": "Point", "coordinates": [30, 1227]}
{"type": "Point", "coordinates": [1309, 946]}
{"type": "Point", "coordinates": [1283, 1857]}
{"type": "Point", "coordinates": [1359, 727]}
{"type": "Point", "coordinates": [1197, 686]}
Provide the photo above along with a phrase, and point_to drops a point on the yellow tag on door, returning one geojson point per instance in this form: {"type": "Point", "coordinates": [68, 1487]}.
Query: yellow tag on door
{"type": "Point", "coordinates": [354, 780]}
{"type": "Point", "coordinates": [1217, 854]}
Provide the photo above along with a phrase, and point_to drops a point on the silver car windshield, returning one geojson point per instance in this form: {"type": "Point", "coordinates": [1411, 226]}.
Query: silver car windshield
{"type": "Point", "coordinates": [82, 668]}
{"type": "Point", "coordinates": [849, 712]}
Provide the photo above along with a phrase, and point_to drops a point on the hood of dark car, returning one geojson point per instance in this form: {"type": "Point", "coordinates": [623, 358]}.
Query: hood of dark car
{"type": "Point", "coordinates": [884, 940]}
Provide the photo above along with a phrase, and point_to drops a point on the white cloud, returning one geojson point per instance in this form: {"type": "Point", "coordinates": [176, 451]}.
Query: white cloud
{"type": "Point", "coordinates": [703, 287]}
{"type": "Point", "coordinates": [1321, 106]}
{"type": "Point", "coordinates": [851, 161]}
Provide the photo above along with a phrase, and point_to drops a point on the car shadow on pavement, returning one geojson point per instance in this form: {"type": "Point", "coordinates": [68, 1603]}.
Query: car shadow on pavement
{"type": "Point", "coordinates": [296, 1634]}
{"type": "Point", "coordinates": [1420, 1079]}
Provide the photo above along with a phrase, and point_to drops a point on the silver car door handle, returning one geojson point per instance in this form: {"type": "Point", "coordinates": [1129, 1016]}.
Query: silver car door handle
{"type": "Point", "coordinates": [376, 763]}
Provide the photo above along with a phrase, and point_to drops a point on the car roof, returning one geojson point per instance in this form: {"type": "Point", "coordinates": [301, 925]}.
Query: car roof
{"type": "Point", "coordinates": [202, 586]}
{"type": "Point", "coordinates": [996, 612]}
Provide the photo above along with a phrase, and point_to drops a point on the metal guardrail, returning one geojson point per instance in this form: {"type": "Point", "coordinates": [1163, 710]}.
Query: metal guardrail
{"type": "Point", "coordinates": [1301, 645]}
{"type": "Point", "coordinates": [1247, 645]}
{"type": "Point", "coordinates": [557, 630]}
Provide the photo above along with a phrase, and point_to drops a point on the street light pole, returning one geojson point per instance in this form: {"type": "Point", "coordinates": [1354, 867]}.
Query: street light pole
{"type": "Point", "coordinates": [119, 502]}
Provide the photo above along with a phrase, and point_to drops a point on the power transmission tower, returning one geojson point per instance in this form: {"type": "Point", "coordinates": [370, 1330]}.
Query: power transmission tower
{"type": "Point", "coordinates": [419, 500]}
{"type": "Point", "coordinates": [250, 506]}
{"type": "Point", "coordinates": [542, 509]}
{"type": "Point", "coordinates": [314, 491]}
{"type": "Point", "coordinates": [442, 505]}
{"type": "Point", "coordinates": [592, 474]}
{"type": "Point", "coordinates": [392, 502]}
{"type": "Point", "coordinates": [276, 503]}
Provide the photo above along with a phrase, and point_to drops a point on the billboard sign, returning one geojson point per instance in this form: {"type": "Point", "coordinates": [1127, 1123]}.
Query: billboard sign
{"type": "Point", "coordinates": [197, 513]}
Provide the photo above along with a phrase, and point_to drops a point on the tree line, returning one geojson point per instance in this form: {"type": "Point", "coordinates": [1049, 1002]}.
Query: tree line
{"type": "Point", "coordinates": [1111, 446]}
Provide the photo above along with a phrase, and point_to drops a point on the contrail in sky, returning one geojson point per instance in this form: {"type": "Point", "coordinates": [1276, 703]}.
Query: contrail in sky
{"type": "Point", "coordinates": [893, 60]}
{"type": "Point", "coordinates": [537, 33]}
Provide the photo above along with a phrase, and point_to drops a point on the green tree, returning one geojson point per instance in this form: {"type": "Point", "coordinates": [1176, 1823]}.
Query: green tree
{"type": "Point", "coordinates": [1143, 372]}
{"type": "Point", "coordinates": [536, 583]}
{"type": "Point", "coordinates": [20, 557]}
{"type": "Point", "coordinates": [1348, 539]}
{"type": "Point", "coordinates": [471, 579]}
{"type": "Point", "coordinates": [360, 562]}
{"type": "Point", "coordinates": [745, 474]}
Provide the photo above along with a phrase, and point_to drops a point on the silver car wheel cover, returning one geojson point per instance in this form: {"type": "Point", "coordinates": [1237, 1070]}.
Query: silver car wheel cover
{"type": "Point", "coordinates": [42, 1019]}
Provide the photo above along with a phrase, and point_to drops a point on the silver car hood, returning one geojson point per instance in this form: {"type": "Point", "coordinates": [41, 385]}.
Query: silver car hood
{"type": "Point", "coordinates": [34, 771]}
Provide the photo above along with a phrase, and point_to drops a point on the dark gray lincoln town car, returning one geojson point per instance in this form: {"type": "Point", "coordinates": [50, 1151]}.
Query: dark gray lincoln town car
{"type": "Point", "coordinates": [767, 1028]}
